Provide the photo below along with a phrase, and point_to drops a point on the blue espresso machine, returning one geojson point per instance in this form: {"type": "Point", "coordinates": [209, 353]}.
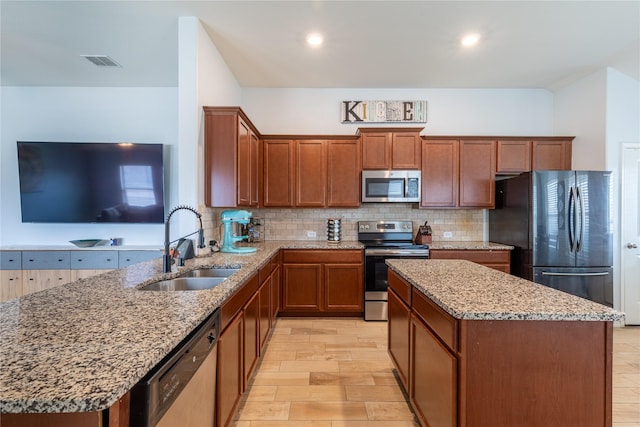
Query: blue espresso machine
{"type": "Point", "coordinates": [229, 239]}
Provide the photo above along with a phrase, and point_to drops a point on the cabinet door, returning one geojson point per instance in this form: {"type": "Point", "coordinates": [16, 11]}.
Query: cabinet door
{"type": "Point", "coordinates": [39, 280]}
{"type": "Point", "coordinates": [405, 150]}
{"type": "Point", "coordinates": [251, 313]}
{"type": "Point", "coordinates": [311, 173]}
{"type": "Point", "coordinates": [275, 294]}
{"type": "Point", "coordinates": [245, 165]}
{"type": "Point", "coordinates": [301, 287]}
{"type": "Point", "coordinates": [439, 173]}
{"type": "Point", "coordinates": [264, 314]}
{"type": "Point", "coordinates": [433, 378]}
{"type": "Point", "coordinates": [477, 173]}
{"type": "Point", "coordinates": [513, 157]}
{"type": "Point", "coordinates": [551, 155]}
{"type": "Point", "coordinates": [229, 387]}
{"type": "Point", "coordinates": [278, 172]}
{"type": "Point", "coordinates": [343, 173]}
{"type": "Point", "coordinates": [399, 328]}
{"type": "Point", "coordinates": [376, 150]}
{"type": "Point", "coordinates": [255, 169]}
{"type": "Point", "coordinates": [10, 284]}
{"type": "Point", "coordinates": [344, 289]}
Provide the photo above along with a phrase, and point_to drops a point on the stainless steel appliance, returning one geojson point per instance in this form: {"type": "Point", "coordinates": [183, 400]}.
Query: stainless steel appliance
{"type": "Point", "coordinates": [391, 186]}
{"type": "Point", "coordinates": [560, 223]}
{"type": "Point", "coordinates": [384, 240]}
{"type": "Point", "coordinates": [181, 389]}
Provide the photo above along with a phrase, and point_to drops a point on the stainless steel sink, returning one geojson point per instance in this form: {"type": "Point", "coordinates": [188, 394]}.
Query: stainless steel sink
{"type": "Point", "coordinates": [211, 272]}
{"type": "Point", "coordinates": [185, 284]}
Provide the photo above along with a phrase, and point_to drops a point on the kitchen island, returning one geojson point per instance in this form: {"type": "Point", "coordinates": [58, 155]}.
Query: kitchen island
{"type": "Point", "coordinates": [476, 347]}
{"type": "Point", "coordinates": [80, 347]}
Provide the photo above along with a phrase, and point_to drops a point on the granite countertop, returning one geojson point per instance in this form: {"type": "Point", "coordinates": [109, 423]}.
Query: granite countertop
{"type": "Point", "coordinates": [471, 245]}
{"type": "Point", "coordinates": [79, 347]}
{"type": "Point", "coordinates": [471, 291]}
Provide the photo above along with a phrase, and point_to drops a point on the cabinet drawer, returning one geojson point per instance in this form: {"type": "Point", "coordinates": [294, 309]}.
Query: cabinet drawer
{"type": "Point", "coordinates": [267, 269]}
{"type": "Point", "coordinates": [93, 260]}
{"type": "Point", "coordinates": [10, 260]}
{"type": "Point", "coordinates": [46, 260]}
{"type": "Point", "coordinates": [237, 301]}
{"type": "Point", "coordinates": [440, 322]}
{"type": "Point", "coordinates": [400, 286]}
{"type": "Point", "coordinates": [322, 256]}
{"type": "Point", "coordinates": [126, 258]}
{"type": "Point", "coordinates": [480, 256]}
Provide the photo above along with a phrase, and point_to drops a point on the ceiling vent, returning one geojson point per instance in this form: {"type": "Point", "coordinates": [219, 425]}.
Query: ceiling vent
{"type": "Point", "coordinates": [101, 60]}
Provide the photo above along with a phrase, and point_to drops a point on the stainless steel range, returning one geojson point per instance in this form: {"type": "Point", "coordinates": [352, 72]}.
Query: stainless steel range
{"type": "Point", "coordinates": [384, 240]}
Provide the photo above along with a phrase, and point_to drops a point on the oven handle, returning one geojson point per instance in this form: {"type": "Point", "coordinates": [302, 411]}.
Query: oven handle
{"type": "Point", "coordinates": [386, 252]}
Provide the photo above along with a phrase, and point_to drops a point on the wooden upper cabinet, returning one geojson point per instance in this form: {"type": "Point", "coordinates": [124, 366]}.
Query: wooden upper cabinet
{"type": "Point", "coordinates": [523, 155]}
{"type": "Point", "coordinates": [477, 170]}
{"type": "Point", "coordinates": [386, 148]}
{"type": "Point", "coordinates": [458, 173]}
{"type": "Point", "coordinates": [513, 156]}
{"type": "Point", "coordinates": [231, 158]}
{"type": "Point", "coordinates": [551, 154]}
{"type": "Point", "coordinates": [311, 173]}
{"type": "Point", "coordinates": [278, 172]}
{"type": "Point", "coordinates": [343, 173]}
{"type": "Point", "coordinates": [439, 173]}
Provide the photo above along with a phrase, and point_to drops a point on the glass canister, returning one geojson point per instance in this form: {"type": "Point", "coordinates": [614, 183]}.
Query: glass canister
{"type": "Point", "coordinates": [334, 230]}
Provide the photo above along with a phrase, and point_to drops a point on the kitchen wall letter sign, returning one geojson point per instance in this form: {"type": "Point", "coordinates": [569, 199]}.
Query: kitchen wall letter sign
{"type": "Point", "coordinates": [384, 111]}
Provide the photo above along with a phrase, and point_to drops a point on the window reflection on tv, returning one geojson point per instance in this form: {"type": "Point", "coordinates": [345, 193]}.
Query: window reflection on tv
{"type": "Point", "coordinates": [62, 182]}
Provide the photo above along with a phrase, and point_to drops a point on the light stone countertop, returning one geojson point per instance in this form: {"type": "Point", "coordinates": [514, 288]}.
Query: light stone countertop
{"type": "Point", "coordinates": [79, 347]}
{"type": "Point", "coordinates": [471, 291]}
{"type": "Point", "coordinates": [471, 245]}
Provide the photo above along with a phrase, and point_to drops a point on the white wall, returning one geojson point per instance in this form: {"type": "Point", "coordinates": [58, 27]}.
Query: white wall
{"type": "Point", "coordinates": [449, 111]}
{"type": "Point", "coordinates": [77, 114]}
{"type": "Point", "coordinates": [580, 110]}
{"type": "Point", "coordinates": [204, 79]}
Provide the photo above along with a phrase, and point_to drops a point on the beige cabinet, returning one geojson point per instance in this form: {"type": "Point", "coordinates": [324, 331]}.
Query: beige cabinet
{"type": "Point", "coordinates": [10, 284]}
{"type": "Point", "coordinates": [39, 280]}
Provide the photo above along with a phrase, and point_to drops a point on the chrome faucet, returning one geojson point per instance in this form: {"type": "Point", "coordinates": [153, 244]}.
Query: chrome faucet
{"type": "Point", "coordinates": [166, 258]}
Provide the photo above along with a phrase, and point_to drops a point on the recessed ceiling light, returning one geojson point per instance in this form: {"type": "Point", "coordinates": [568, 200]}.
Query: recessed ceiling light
{"type": "Point", "coordinates": [470, 40]}
{"type": "Point", "coordinates": [314, 39]}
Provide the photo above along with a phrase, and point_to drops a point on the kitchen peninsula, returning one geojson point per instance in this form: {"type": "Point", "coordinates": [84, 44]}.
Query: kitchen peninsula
{"type": "Point", "coordinates": [476, 347]}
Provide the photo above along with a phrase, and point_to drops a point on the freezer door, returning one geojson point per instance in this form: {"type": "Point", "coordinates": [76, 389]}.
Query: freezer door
{"type": "Point", "coordinates": [595, 284]}
{"type": "Point", "coordinates": [552, 218]}
{"type": "Point", "coordinates": [595, 219]}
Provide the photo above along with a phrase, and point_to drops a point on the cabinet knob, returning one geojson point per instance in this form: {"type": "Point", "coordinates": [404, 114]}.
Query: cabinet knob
{"type": "Point", "coordinates": [632, 245]}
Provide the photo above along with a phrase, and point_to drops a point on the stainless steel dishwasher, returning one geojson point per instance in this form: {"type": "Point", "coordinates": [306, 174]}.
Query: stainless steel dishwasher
{"type": "Point", "coordinates": [181, 389]}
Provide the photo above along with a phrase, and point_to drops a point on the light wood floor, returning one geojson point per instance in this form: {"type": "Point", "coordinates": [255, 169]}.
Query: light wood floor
{"type": "Point", "coordinates": [336, 373]}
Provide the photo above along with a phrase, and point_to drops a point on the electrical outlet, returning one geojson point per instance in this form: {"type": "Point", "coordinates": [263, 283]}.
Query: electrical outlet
{"type": "Point", "coordinates": [447, 234]}
{"type": "Point", "coordinates": [311, 233]}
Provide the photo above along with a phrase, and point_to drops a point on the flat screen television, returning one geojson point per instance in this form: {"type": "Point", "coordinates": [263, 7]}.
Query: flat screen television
{"type": "Point", "coordinates": [69, 182]}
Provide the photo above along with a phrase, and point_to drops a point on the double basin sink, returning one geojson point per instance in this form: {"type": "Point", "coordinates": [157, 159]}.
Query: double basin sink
{"type": "Point", "coordinates": [195, 280]}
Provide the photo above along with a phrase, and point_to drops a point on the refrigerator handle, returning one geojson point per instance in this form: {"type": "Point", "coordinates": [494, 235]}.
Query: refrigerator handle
{"type": "Point", "coordinates": [601, 273]}
{"type": "Point", "coordinates": [572, 219]}
{"type": "Point", "coordinates": [579, 240]}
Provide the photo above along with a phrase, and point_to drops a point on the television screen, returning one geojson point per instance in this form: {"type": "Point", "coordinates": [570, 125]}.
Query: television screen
{"type": "Point", "coordinates": [62, 182]}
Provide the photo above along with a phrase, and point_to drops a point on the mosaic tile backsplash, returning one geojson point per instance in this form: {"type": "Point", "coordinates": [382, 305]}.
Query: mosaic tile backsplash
{"type": "Point", "coordinates": [301, 223]}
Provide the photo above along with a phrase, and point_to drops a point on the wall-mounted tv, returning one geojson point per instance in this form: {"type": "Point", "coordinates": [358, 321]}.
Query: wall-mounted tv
{"type": "Point", "coordinates": [70, 182]}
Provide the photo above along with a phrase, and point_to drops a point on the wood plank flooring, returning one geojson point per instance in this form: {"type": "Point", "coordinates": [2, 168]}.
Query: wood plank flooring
{"type": "Point", "coordinates": [337, 373]}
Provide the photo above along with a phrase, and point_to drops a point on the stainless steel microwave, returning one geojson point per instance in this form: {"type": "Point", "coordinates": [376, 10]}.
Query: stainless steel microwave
{"type": "Point", "coordinates": [391, 186]}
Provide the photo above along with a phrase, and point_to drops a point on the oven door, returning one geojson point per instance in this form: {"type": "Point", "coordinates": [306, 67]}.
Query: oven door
{"type": "Point", "coordinates": [376, 282]}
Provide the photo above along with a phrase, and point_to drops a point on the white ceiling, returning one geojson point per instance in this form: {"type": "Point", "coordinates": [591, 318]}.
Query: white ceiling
{"type": "Point", "coordinates": [368, 44]}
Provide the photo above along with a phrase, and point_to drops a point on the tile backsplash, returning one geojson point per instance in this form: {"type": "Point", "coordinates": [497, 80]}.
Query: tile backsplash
{"type": "Point", "coordinates": [302, 223]}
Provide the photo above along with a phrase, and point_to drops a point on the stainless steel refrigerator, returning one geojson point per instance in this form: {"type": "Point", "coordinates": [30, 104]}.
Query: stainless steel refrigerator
{"type": "Point", "coordinates": [561, 225]}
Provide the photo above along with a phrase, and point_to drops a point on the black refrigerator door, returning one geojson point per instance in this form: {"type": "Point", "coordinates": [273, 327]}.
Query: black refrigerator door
{"type": "Point", "coordinates": [552, 218]}
{"type": "Point", "coordinates": [595, 225]}
{"type": "Point", "coordinates": [595, 284]}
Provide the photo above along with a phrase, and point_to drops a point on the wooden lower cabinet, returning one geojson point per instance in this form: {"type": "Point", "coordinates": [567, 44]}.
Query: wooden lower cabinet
{"type": "Point", "coordinates": [229, 387]}
{"type": "Point", "coordinates": [39, 280]}
{"type": "Point", "coordinates": [398, 330]}
{"type": "Point", "coordinates": [501, 373]}
{"type": "Point", "coordinates": [10, 284]}
{"type": "Point", "coordinates": [496, 259]}
{"type": "Point", "coordinates": [433, 382]}
{"type": "Point", "coordinates": [251, 314]}
{"type": "Point", "coordinates": [322, 282]}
